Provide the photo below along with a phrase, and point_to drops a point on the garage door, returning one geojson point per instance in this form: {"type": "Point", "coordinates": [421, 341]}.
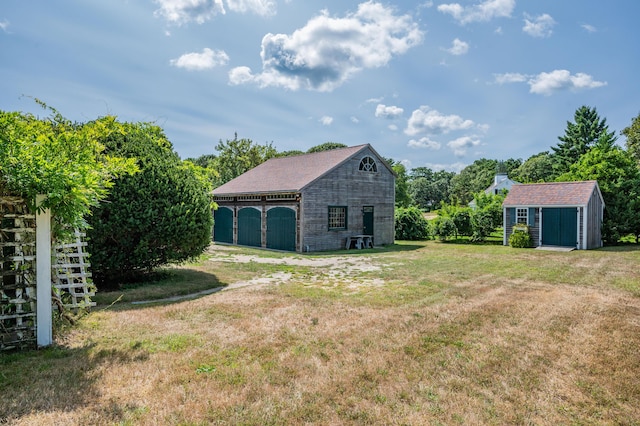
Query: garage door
{"type": "Point", "coordinates": [281, 229]}
{"type": "Point", "coordinates": [249, 227]}
{"type": "Point", "coordinates": [223, 225]}
{"type": "Point", "coordinates": [559, 227]}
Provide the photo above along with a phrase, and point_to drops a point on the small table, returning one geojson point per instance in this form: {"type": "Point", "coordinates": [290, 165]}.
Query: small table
{"type": "Point", "coordinates": [360, 241]}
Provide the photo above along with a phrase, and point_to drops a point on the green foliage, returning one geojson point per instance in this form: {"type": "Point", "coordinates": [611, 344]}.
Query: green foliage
{"type": "Point", "coordinates": [587, 131]}
{"type": "Point", "coordinates": [427, 188]}
{"type": "Point", "coordinates": [327, 146]}
{"type": "Point", "coordinates": [403, 199]}
{"type": "Point", "coordinates": [477, 177]}
{"type": "Point", "coordinates": [410, 224]}
{"type": "Point", "coordinates": [238, 156]}
{"type": "Point", "coordinates": [64, 161]}
{"type": "Point", "coordinates": [160, 215]}
{"type": "Point", "coordinates": [444, 227]}
{"type": "Point", "coordinates": [632, 134]}
{"type": "Point", "coordinates": [537, 168]}
{"type": "Point", "coordinates": [482, 225]}
{"type": "Point", "coordinates": [520, 237]}
{"type": "Point", "coordinates": [619, 180]}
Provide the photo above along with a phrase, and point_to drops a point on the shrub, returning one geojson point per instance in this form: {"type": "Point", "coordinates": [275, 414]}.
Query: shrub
{"type": "Point", "coordinates": [445, 228]}
{"type": "Point", "coordinates": [410, 224]}
{"type": "Point", "coordinates": [158, 216]}
{"type": "Point", "coordinates": [520, 237]}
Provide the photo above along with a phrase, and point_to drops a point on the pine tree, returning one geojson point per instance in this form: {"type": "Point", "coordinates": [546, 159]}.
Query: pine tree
{"type": "Point", "coordinates": [587, 131]}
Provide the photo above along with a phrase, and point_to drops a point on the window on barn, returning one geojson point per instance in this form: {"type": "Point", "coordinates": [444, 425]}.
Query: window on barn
{"type": "Point", "coordinates": [522, 215]}
{"type": "Point", "coordinates": [337, 217]}
{"type": "Point", "coordinates": [368, 164]}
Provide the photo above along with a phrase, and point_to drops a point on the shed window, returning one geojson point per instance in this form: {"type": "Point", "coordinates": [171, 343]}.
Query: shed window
{"type": "Point", "coordinates": [337, 217]}
{"type": "Point", "coordinates": [522, 215]}
{"type": "Point", "coordinates": [368, 164]}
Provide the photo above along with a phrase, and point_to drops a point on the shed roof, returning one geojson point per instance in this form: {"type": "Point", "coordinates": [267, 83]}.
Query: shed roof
{"type": "Point", "coordinates": [290, 174]}
{"type": "Point", "coordinates": [552, 194]}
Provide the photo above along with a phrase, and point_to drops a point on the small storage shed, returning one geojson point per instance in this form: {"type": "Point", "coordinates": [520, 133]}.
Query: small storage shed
{"type": "Point", "coordinates": [309, 202]}
{"type": "Point", "coordinates": [567, 214]}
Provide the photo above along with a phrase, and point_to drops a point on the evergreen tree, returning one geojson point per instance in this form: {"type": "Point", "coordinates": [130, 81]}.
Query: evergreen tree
{"type": "Point", "coordinates": [587, 131]}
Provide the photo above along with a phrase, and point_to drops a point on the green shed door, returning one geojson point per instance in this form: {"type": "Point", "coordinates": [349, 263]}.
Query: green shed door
{"type": "Point", "coordinates": [281, 229]}
{"type": "Point", "coordinates": [249, 227]}
{"type": "Point", "coordinates": [223, 225]}
{"type": "Point", "coordinates": [559, 227]}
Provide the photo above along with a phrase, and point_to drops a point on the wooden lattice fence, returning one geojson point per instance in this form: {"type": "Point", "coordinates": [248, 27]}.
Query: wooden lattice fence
{"type": "Point", "coordinates": [17, 275]}
{"type": "Point", "coordinates": [71, 277]}
{"type": "Point", "coordinates": [69, 284]}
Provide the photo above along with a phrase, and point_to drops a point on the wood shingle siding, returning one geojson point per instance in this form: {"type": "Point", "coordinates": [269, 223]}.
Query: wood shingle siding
{"type": "Point", "coordinates": [559, 213]}
{"type": "Point", "coordinates": [354, 181]}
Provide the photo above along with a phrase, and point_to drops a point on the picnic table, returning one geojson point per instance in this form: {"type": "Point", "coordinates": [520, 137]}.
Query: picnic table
{"type": "Point", "coordinates": [360, 241]}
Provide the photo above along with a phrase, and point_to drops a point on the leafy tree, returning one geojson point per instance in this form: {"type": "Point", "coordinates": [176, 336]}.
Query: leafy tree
{"type": "Point", "coordinates": [579, 137]}
{"type": "Point", "coordinates": [427, 188]}
{"type": "Point", "coordinates": [60, 159]}
{"type": "Point", "coordinates": [238, 156]}
{"type": "Point", "coordinates": [205, 161]}
{"type": "Point", "coordinates": [619, 180]}
{"type": "Point", "coordinates": [289, 153]}
{"type": "Point", "coordinates": [410, 224]}
{"type": "Point", "coordinates": [478, 177]}
{"type": "Point", "coordinates": [632, 134]}
{"type": "Point", "coordinates": [537, 168]}
{"type": "Point", "coordinates": [403, 199]}
{"type": "Point", "coordinates": [327, 146]}
{"type": "Point", "coordinates": [160, 215]}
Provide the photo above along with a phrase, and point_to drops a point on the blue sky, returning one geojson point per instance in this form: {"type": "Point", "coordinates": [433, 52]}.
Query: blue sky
{"type": "Point", "coordinates": [431, 83]}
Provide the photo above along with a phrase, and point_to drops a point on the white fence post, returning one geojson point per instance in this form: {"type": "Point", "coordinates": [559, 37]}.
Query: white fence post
{"type": "Point", "coordinates": [44, 324]}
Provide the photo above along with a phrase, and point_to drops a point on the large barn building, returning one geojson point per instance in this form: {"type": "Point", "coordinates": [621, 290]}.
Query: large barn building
{"type": "Point", "coordinates": [310, 202]}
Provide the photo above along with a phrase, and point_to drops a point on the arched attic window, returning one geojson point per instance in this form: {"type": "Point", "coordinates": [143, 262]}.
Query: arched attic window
{"type": "Point", "coordinates": [368, 164]}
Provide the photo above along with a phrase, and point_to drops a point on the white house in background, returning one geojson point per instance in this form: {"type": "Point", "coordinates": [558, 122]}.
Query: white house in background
{"type": "Point", "coordinates": [500, 183]}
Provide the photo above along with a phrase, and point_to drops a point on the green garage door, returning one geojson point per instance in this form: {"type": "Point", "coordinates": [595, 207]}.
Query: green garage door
{"type": "Point", "coordinates": [223, 225]}
{"type": "Point", "coordinates": [281, 229]}
{"type": "Point", "coordinates": [559, 227]}
{"type": "Point", "coordinates": [249, 227]}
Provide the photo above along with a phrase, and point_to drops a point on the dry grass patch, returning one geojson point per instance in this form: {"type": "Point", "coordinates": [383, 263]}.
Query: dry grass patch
{"type": "Point", "coordinates": [447, 335]}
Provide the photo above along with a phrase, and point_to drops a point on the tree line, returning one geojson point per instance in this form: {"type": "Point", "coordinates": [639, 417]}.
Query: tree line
{"type": "Point", "coordinates": [143, 206]}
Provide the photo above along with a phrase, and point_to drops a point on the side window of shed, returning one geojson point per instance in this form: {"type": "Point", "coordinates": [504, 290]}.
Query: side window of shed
{"type": "Point", "coordinates": [522, 215]}
{"type": "Point", "coordinates": [368, 164]}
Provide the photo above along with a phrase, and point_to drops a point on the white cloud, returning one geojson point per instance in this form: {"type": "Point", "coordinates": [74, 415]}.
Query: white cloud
{"type": "Point", "coordinates": [548, 83]}
{"type": "Point", "coordinates": [180, 12]}
{"type": "Point", "coordinates": [461, 145]}
{"type": "Point", "coordinates": [429, 121]}
{"type": "Point", "coordinates": [388, 111]}
{"type": "Point", "coordinates": [326, 120]}
{"type": "Point", "coordinates": [510, 77]}
{"type": "Point", "coordinates": [539, 26]}
{"type": "Point", "coordinates": [327, 51]}
{"type": "Point", "coordinates": [201, 61]}
{"type": "Point", "coordinates": [454, 167]}
{"type": "Point", "coordinates": [259, 7]}
{"type": "Point", "coordinates": [355, 120]}
{"type": "Point", "coordinates": [424, 143]}
{"type": "Point", "coordinates": [481, 12]}
{"type": "Point", "coordinates": [4, 25]}
{"type": "Point", "coordinates": [589, 28]}
{"type": "Point", "coordinates": [458, 47]}
{"type": "Point", "coordinates": [393, 127]}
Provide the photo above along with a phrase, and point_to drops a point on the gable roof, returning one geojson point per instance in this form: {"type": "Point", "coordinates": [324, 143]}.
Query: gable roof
{"type": "Point", "coordinates": [557, 194]}
{"type": "Point", "coordinates": [291, 174]}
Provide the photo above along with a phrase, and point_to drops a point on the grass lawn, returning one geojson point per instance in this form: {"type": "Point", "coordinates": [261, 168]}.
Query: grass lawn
{"type": "Point", "coordinates": [419, 333]}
